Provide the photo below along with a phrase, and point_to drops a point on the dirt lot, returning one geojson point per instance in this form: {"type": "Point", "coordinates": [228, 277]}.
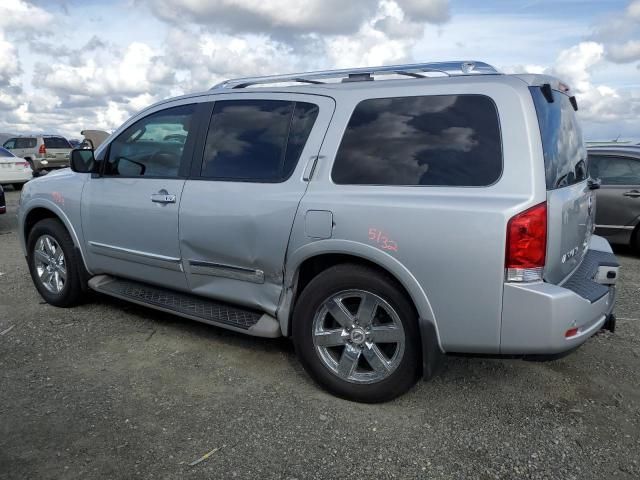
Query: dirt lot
{"type": "Point", "coordinates": [111, 390]}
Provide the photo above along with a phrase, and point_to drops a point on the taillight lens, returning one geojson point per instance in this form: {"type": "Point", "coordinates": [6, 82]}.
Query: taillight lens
{"type": "Point", "coordinates": [42, 150]}
{"type": "Point", "coordinates": [526, 245]}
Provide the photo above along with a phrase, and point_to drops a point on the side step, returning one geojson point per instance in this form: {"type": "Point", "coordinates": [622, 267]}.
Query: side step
{"type": "Point", "coordinates": [189, 306]}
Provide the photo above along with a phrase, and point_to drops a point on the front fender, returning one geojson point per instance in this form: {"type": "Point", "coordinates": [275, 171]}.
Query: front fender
{"type": "Point", "coordinates": [50, 205]}
{"type": "Point", "coordinates": [366, 252]}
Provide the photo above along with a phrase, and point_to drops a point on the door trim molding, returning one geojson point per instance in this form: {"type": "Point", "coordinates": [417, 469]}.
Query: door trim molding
{"type": "Point", "coordinates": [137, 256]}
{"type": "Point", "coordinates": [200, 267]}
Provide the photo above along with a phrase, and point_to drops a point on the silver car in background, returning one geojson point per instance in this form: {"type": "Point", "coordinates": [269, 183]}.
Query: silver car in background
{"type": "Point", "coordinates": [381, 217]}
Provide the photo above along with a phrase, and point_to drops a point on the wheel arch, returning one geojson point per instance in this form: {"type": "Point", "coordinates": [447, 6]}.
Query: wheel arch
{"type": "Point", "coordinates": [42, 210]}
{"type": "Point", "coordinates": [313, 258]}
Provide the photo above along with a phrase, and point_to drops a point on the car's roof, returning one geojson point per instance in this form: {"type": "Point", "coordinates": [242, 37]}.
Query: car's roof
{"type": "Point", "coordinates": [630, 150]}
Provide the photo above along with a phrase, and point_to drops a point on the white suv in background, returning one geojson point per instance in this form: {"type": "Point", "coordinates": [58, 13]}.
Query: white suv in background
{"type": "Point", "coordinates": [43, 152]}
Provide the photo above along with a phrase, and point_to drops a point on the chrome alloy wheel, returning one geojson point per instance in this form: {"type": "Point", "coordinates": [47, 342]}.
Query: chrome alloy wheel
{"type": "Point", "coordinates": [358, 336]}
{"type": "Point", "coordinates": [50, 264]}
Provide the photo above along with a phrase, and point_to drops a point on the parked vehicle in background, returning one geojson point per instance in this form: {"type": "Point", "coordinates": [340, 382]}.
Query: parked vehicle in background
{"type": "Point", "coordinates": [14, 170]}
{"type": "Point", "coordinates": [618, 198]}
{"type": "Point", "coordinates": [43, 152]}
{"type": "Point", "coordinates": [378, 222]}
{"type": "Point", "coordinates": [3, 204]}
{"type": "Point", "coordinates": [93, 138]}
{"type": "Point", "coordinates": [75, 143]}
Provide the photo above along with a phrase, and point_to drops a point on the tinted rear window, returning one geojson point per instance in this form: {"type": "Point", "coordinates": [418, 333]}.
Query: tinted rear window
{"type": "Point", "coordinates": [256, 140]}
{"type": "Point", "coordinates": [443, 140]}
{"type": "Point", "coordinates": [565, 156]}
{"type": "Point", "coordinates": [56, 142]}
{"type": "Point", "coordinates": [25, 143]}
{"type": "Point", "coordinates": [5, 153]}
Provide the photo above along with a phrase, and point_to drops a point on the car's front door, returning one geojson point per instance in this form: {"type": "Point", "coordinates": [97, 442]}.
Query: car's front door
{"type": "Point", "coordinates": [130, 211]}
{"type": "Point", "coordinates": [618, 198]}
{"type": "Point", "coordinates": [238, 206]}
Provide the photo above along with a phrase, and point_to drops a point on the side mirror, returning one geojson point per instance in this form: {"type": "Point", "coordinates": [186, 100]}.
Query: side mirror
{"type": "Point", "coordinates": [82, 160]}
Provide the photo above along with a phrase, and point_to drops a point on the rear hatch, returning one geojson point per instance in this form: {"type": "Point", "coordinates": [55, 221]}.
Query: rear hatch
{"type": "Point", "coordinates": [57, 149]}
{"type": "Point", "coordinates": [570, 201]}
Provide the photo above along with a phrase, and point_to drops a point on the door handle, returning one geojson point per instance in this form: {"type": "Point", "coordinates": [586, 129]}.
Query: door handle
{"type": "Point", "coordinates": [163, 197]}
{"type": "Point", "coordinates": [632, 193]}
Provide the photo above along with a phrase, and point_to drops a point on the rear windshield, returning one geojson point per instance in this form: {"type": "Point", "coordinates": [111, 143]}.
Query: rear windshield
{"type": "Point", "coordinates": [5, 153]}
{"type": "Point", "coordinates": [56, 142]}
{"type": "Point", "coordinates": [565, 157]}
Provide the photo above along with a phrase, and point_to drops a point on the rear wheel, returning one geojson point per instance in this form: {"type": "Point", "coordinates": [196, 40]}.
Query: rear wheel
{"type": "Point", "coordinates": [357, 335]}
{"type": "Point", "coordinates": [54, 264]}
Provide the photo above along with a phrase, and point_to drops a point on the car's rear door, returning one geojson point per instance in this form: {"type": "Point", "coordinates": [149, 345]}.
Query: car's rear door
{"type": "Point", "coordinates": [570, 201]}
{"type": "Point", "coordinates": [618, 198]}
{"type": "Point", "coordinates": [130, 211]}
{"type": "Point", "coordinates": [246, 184]}
{"type": "Point", "coordinates": [57, 151]}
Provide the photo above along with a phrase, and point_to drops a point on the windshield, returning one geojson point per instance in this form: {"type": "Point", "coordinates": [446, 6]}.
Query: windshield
{"type": "Point", "coordinates": [5, 153]}
{"type": "Point", "coordinates": [565, 157]}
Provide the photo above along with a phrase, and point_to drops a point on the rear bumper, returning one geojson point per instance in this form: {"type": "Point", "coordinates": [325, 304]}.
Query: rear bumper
{"type": "Point", "coordinates": [536, 316]}
{"type": "Point", "coordinates": [15, 177]}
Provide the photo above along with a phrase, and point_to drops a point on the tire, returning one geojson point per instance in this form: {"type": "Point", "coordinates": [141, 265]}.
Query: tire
{"type": "Point", "coordinates": [33, 167]}
{"type": "Point", "coordinates": [17, 186]}
{"type": "Point", "coordinates": [635, 240]}
{"type": "Point", "coordinates": [64, 288]}
{"type": "Point", "coordinates": [327, 349]}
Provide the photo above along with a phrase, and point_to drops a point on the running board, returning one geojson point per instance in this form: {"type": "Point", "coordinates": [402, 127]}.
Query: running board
{"type": "Point", "coordinates": [189, 306]}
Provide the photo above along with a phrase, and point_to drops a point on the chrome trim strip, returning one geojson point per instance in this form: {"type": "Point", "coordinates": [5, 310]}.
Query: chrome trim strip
{"type": "Point", "coordinates": [199, 267]}
{"type": "Point", "coordinates": [617, 227]}
{"type": "Point", "coordinates": [137, 256]}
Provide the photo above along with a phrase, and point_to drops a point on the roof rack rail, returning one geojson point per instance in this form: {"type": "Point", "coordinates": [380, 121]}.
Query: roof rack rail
{"type": "Point", "coordinates": [414, 70]}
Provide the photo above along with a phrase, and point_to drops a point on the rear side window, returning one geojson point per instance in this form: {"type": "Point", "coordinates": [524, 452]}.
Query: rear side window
{"type": "Point", "coordinates": [440, 140]}
{"type": "Point", "coordinates": [256, 140]}
{"type": "Point", "coordinates": [56, 142]}
{"type": "Point", "coordinates": [565, 157]}
{"type": "Point", "coordinates": [615, 170]}
{"type": "Point", "coordinates": [25, 143]}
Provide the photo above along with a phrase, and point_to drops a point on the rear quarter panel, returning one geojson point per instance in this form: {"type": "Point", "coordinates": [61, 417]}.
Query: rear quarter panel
{"type": "Point", "coordinates": [448, 242]}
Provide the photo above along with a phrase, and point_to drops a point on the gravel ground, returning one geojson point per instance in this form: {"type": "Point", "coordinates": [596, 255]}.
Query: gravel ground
{"type": "Point", "coordinates": [112, 390]}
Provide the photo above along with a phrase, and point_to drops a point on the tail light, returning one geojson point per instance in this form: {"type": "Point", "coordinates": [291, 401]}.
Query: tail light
{"type": "Point", "coordinates": [526, 245]}
{"type": "Point", "coordinates": [42, 150]}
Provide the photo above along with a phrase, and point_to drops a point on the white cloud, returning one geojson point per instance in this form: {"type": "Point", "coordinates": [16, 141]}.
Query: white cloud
{"type": "Point", "coordinates": [633, 10]}
{"type": "Point", "coordinates": [624, 52]}
{"type": "Point", "coordinates": [573, 65]}
{"type": "Point", "coordinates": [432, 11]}
{"type": "Point", "coordinates": [20, 15]}
{"type": "Point", "coordinates": [9, 61]}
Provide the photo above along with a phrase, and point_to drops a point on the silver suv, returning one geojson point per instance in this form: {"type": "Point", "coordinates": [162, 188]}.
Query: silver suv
{"type": "Point", "coordinates": [43, 152]}
{"type": "Point", "coordinates": [381, 217]}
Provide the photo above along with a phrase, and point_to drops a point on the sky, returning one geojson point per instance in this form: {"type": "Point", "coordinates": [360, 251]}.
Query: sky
{"type": "Point", "coordinates": [69, 65]}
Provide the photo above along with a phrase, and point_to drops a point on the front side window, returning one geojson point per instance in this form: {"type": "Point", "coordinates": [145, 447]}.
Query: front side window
{"type": "Point", "coordinates": [615, 170]}
{"type": "Point", "coordinates": [439, 140]}
{"type": "Point", "coordinates": [256, 140]}
{"type": "Point", "coordinates": [153, 146]}
{"type": "Point", "coordinates": [11, 143]}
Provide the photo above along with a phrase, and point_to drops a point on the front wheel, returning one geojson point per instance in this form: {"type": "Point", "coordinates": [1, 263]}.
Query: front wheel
{"type": "Point", "coordinates": [356, 334]}
{"type": "Point", "coordinates": [54, 264]}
